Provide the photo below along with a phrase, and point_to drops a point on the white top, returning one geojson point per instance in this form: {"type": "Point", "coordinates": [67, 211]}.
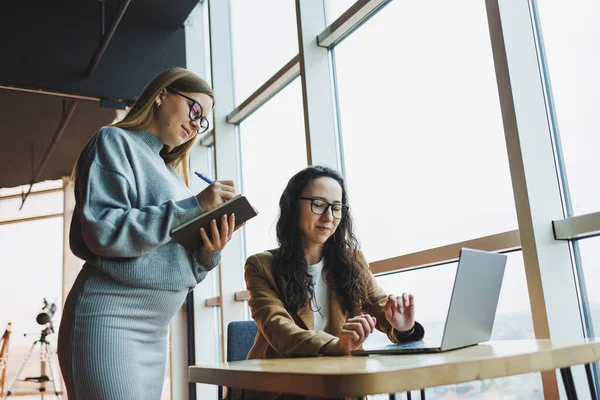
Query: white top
{"type": "Point", "coordinates": [320, 303]}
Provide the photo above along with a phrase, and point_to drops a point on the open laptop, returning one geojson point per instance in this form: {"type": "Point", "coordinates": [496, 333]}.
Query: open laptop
{"type": "Point", "coordinates": [472, 306]}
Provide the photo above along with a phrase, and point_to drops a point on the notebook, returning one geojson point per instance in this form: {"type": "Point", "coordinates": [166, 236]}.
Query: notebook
{"type": "Point", "coordinates": [188, 233]}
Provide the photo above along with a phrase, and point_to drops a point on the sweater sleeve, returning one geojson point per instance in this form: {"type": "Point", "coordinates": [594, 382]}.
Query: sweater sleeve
{"type": "Point", "coordinates": [274, 321]}
{"type": "Point", "coordinates": [204, 262]}
{"type": "Point", "coordinates": [111, 225]}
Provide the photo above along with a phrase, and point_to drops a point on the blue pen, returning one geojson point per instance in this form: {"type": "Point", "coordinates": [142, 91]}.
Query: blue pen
{"type": "Point", "coordinates": [204, 178]}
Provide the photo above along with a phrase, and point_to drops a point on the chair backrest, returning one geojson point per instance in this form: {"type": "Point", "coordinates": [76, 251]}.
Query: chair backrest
{"type": "Point", "coordinates": [240, 338]}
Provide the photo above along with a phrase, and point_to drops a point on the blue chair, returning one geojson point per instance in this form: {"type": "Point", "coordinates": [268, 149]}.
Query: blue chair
{"type": "Point", "coordinates": [240, 338]}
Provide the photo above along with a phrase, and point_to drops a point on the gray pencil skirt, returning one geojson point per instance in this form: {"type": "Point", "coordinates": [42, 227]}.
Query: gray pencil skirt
{"type": "Point", "coordinates": [112, 342]}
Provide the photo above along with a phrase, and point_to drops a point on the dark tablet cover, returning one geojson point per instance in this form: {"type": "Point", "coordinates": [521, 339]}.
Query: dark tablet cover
{"type": "Point", "coordinates": [188, 233]}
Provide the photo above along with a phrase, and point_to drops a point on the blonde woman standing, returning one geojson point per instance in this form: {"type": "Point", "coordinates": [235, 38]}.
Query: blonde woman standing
{"type": "Point", "coordinates": [131, 189]}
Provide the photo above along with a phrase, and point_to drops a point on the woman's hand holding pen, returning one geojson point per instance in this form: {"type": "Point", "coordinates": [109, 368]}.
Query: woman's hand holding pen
{"type": "Point", "coordinates": [400, 311]}
{"type": "Point", "coordinates": [354, 332]}
{"type": "Point", "coordinates": [215, 194]}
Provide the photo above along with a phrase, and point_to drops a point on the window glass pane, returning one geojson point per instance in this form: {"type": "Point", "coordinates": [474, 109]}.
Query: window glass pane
{"type": "Point", "coordinates": [273, 148]}
{"type": "Point", "coordinates": [35, 205]}
{"type": "Point", "coordinates": [571, 35]}
{"type": "Point", "coordinates": [27, 278]}
{"type": "Point", "coordinates": [45, 185]}
{"type": "Point", "coordinates": [590, 260]}
{"type": "Point", "coordinates": [432, 288]}
{"type": "Point", "coordinates": [264, 39]}
{"type": "Point", "coordinates": [423, 139]}
{"type": "Point", "coordinates": [335, 8]}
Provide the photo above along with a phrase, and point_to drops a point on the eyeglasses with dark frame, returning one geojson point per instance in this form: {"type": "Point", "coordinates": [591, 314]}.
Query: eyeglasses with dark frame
{"type": "Point", "coordinates": [319, 206]}
{"type": "Point", "coordinates": [196, 111]}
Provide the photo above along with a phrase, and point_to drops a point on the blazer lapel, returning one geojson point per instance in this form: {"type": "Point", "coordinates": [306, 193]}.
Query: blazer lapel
{"type": "Point", "coordinates": [337, 315]}
{"type": "Point", "coordinates": [306, 316]}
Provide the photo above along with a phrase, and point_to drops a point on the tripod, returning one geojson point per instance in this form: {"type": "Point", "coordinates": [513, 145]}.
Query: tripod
{"type": "Point", "coordinates": [45, 361]}
{"type": "Point", "coordinates": [4, 356]}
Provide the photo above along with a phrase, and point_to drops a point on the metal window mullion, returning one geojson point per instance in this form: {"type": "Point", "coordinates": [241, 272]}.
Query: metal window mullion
{"type": "Point", "coordinates": [274, 85]}
{"type": "Point", "coordinates": [205, 328]}
{"type": "Point", "coordinates": [550, 276]}
{"type": "Point", "coordinates": [317, 86]}
{"type": "Point", "coordinates": [564, 184]}
{"type": "Point", "coordinates": [29, 219]}
{"type": "Point", "coordinates": [359, 13]}
{"type": "Point", "coordinates": [579, 227]}
{"type": "Point", "coordinates": [501, 242]}
{"type": "Point", "coordinates": [50, 93]}
{"type": "Point", "coordinates": [227, 156]}
{"type": "Point", "coordinates": [31, 194]}
{"type": "Point", "coordinates": [194, 322]}
{"type": "Point", "coordinates": [208, 139]}
{"type": "Point", "coordinates": [552, 116]}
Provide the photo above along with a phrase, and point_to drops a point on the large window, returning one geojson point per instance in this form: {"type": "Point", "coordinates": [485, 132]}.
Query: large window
{"type": "Point", "coordinates": [264, 39]}
{"type": "Point", "coordinates": [422, 143]}
{"type": "Point", "coordinates": [31, 268]}
{"type": "Point", "coordinates": [432, 288]}
{"type": "Point", "coordinates": [273, 149]}
{"type": "Point", "coordinates": [423, 140]}
{"type": "Point", "coordinates": [571, 34]}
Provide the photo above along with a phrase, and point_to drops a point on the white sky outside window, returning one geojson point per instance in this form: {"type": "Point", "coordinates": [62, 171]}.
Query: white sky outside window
{"type": "Point", "coordinates": [422, 132]}
{"type": "Point", "coordinates": [273, 149]}
{"type": "Point", "coordinates": [571, 35]}
{"type": "Point", "coordinates": [264, 39]}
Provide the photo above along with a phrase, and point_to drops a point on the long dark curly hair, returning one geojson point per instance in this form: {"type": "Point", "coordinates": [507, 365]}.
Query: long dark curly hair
{"type": "Point", "coordinates": [344, 270]}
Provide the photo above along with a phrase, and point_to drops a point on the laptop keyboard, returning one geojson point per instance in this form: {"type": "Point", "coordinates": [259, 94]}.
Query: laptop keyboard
{"type": "Point", "coordinates": [408, 345]}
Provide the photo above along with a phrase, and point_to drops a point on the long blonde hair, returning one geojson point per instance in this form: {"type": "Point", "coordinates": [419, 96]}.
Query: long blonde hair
{"type": "Point", "coordinates": [143, 113]}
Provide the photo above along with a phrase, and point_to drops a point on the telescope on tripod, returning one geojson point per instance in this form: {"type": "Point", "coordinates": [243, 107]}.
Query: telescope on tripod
{"type": "Point", "coordinates": [46, 358]}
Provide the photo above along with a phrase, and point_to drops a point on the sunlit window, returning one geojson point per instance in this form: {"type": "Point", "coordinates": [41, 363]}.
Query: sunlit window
{"type": "Point", "coordinates": [571, 34]}
{"type": "Point", "coordinates": [423, 139]}
{"type": "Point", "coordinates": [273, 149]}
{"type": "Point", "coordinates": [264, 39]}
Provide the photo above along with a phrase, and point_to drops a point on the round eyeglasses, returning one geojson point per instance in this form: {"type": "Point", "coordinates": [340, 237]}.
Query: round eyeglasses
{"type": "Point", "coordinates": [196, 111]}
{"type": "Point", "coordinates": [319, 206]}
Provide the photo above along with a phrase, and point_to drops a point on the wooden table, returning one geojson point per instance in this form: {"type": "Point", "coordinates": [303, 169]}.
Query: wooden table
{"type": "Point", "coordinates": [355, 376]}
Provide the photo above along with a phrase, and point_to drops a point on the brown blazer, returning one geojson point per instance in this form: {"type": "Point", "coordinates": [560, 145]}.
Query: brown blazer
{"type": "Point", "coordinates": [283, 334]}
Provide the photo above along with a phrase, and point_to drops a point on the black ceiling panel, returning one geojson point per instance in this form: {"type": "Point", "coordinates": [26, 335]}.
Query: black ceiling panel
{"type": "Point", "coordinates": [48, 46]}
{"type": "Point", "coordinates": [34, 119]}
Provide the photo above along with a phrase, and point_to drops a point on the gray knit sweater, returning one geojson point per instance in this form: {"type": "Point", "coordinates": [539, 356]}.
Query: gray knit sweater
{"type": "Point", "coordinates": [127, 201]}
